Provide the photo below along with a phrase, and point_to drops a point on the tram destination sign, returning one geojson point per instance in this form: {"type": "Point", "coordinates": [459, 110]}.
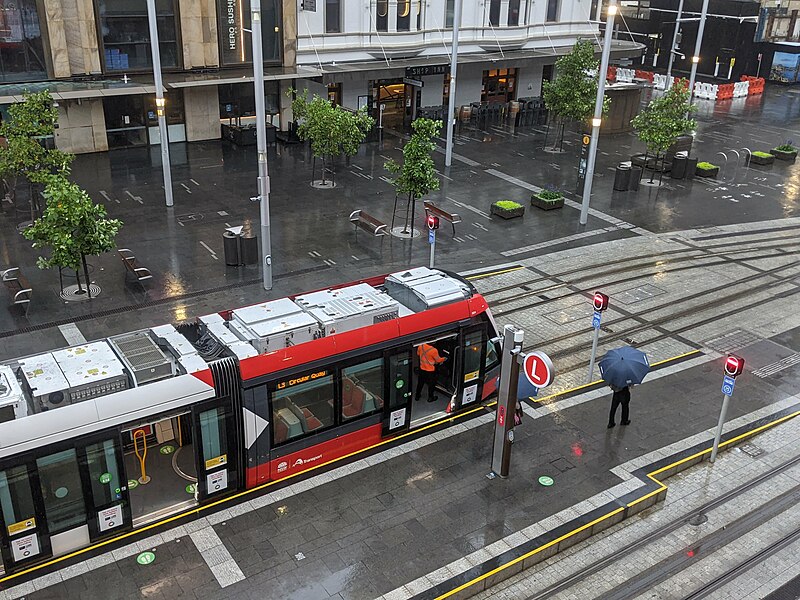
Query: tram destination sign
{"type": "Point", "coordinates": [425, 70]}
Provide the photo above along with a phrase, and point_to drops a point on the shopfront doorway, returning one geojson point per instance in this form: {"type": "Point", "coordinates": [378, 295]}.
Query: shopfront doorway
{"type": "Point", "coordinates": [499, 85]}
{"type": "Point", "coordinates": [395, 97]}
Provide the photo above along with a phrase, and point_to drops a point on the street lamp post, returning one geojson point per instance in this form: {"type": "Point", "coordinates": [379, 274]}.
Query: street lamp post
{"type": "Point", "coordinates": [261, 139]}
{"type": "Point", "coordinates": [674, 42]}
{"type": "Point", "coordinates": [598, 111]}
{"type": "Point", "coordinates": [451, 104]}
{"type": "Point", "coordinates": [698, 42]}
{"type": "Point", "coordinates": [162, 120]}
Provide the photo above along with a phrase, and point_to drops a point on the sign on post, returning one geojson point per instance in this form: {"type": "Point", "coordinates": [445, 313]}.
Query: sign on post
{"type": "Point", "coordinates": [538, 369]}
{"type": "Point", "coordinates": [596, 319]}
{"type": "Point", "coordinates": [728, 383]}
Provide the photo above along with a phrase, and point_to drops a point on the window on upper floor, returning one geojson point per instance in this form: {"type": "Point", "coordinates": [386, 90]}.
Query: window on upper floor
{"type": "Point", "coordinates": [333, 16]}
{"type": "Point", "coordinates": [553, 7]}
{"type": "Point", "coordinates": [382, 15]}
{"type": "Point", "coordinates": [403, 15]}
{"type": "Point", "coordinates": [235, 43]}
{"type": "Point", "coordinates": [513, 12]}
{"type": "Point", "coordinates": [21, 50]}
{"type": "Point", "coordinates": [449, 13]}
{"type": "Point", "coordinates": [494, 13]}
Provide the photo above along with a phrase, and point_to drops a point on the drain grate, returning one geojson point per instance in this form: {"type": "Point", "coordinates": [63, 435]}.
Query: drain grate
{"type": "Point", "coordinates": [751, 449]}
{"type": "Point", "coordinates": [732, 341]}
{"type": "Point", "coordinates": [562, 464]}
{"type": "Point", "coordinates": [637, 294]}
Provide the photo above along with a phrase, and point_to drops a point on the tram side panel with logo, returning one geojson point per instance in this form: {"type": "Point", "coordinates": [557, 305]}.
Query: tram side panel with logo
{"type": "Point", "coordinates": [332, 372]}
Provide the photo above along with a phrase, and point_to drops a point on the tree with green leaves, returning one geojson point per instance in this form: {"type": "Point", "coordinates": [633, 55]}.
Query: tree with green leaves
{"type": "Point", "coordinates": [660, 123]}
{"type": "Point", "coordinates": [571, 96]}
{"type": "Point", "coordinates": [331, 130]}
{"type": "Point", "coordinates": [417, 176]}
{"type": "Point", "coordinates": [72, 227]}
{"type": "Point", "coordinates": [24, 155]}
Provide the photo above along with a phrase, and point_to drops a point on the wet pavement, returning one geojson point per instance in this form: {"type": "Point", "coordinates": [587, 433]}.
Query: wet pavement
{"type": "Point", "coordinates": [314, 244]}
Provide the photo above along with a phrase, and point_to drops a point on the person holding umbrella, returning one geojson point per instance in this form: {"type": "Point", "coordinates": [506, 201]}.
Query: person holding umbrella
{"type": "Point", "coordinates": [621, 368]}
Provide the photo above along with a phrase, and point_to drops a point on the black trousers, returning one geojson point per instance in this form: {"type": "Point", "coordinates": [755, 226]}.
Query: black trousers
{"type": "Point", "coordinates": [426, 378]}
{"type": "Point", "coordinates": [621, 397]}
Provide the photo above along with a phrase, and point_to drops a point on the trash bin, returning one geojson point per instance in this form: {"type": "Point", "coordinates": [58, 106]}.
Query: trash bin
{"type": "Point", "coordinates": [679, 162]}
{"type": "Point", "coordinates": [248, 247]}
{"type": "Point", "coordinates": [636, 176]}
{"type": "Point", "coordinates": [622, 177]}
{"type": "Point", "coordinates": [230, 245]}
{"type": "Point", "coordinates": [691, 167]}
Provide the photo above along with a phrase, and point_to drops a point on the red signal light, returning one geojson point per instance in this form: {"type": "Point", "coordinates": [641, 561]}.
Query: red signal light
{"type": "Point", "coordinates": [433, 222]}
{"type": "Point", "coordinates": [600, 301]}
{"type": "Point", "coordinates": [734, 365]}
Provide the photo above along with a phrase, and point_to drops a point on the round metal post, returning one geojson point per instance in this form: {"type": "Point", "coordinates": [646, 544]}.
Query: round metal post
{"type": "Point", "coordinates": [261, 139]}
{"type": "Point", "coordinates": [598, 111]}
{"type": "Point", "coordinates": [722, 414]}
{"type": "Point", "coordinates": [162, 119]}
{"type": "Point", "coordinates": [595, 339]}
{"type": "Point", "coordinates": [674, 41]}
{"type": "Point", "coordinates": [506, 400]}
{"type": "Point", "coordinates": [451, 104]}
{"type": "Point", "coordinates": [697, 43]}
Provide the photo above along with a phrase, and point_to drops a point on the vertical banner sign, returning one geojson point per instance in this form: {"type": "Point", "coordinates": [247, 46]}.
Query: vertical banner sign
{"type": "Point", "coordinates": [582, 164]}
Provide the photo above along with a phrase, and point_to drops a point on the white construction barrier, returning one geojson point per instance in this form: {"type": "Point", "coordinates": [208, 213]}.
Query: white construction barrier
{"type": "Point", "coordinates": [741, 89]}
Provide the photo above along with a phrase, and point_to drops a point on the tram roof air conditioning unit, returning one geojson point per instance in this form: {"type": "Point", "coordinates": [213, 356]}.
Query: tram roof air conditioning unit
{"type": "Point", "coordinates": [423, 288]}
{"type": "Point", "coordinates": [92, 370]}
{"type": "Point", "coordinates": [46, 384]}
{"type": "Point", "coordinates": [145, 361]}
{"type": "Point", "coordinates": [12, 401]}
{"type": "Point", "coordinates": [273, 325]}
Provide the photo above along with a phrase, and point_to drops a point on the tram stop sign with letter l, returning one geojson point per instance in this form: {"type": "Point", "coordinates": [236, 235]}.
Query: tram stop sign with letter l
{"type": "Point", "coordinates": [538, 369]}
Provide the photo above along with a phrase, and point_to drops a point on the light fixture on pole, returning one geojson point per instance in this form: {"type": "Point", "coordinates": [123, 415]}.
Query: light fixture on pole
{"type": "Point", "coordinates": [598, 111]}
{"type": "Point", "coordinates": [160, 103]}
{"type": "Point", "coordinates": [451, 104]}
{"type": "Point", "coordinates": [697, 43]}
{"type": "Point", "coordinates": [261, 140]}
{"type": "Point", "coordinates": [674, 43]}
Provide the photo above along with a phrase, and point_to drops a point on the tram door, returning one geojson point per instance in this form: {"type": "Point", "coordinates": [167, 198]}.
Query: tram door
{"type": "Point", "coordinates": [471, 372]}
{"type": "Point", "coordinates": [429, 404]}
{"type": "Point", "coordinates": [160, 464]}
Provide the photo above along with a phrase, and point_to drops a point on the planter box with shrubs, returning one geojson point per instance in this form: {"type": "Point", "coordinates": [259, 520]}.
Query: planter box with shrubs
{"type": "Point", "coordinates": [507, 209]}
{"type": "Point", "coordinates": [762, 158]}
{"type": "Point", "coordinates": [547, 200]}
{"type": "Point", "coordinates": [705, 169]}
{"type": "Point", "coordinates": [785, 152]}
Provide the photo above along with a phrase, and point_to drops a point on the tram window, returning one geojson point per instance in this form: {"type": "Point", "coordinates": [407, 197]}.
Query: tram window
{"type": "Point", "coordinates": [302, 405]}
{"type": "Point", "coordinates": [60, 481]}
{"type": "Point", "coordinates": [362, 389]}
{"type": "Point", "coordinates": [492, 360]}
{"type": "Point", "coordinates": [213, 436]}
{"type": "Point", "coordinates": [16, 499]}
{"type": "Point", "coordinates": [101, 458]}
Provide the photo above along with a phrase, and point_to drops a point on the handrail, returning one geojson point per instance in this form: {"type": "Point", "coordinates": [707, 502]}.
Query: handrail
{"type": "Point", "coordinates": [144, 479]}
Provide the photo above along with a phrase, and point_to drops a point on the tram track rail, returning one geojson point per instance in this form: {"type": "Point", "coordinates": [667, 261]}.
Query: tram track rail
{"type": "Point", "coordinates": [789, 499]}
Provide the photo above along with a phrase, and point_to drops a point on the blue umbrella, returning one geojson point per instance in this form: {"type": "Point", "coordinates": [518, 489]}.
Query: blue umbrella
{"type": "Point", "coordinates": [624, 366]}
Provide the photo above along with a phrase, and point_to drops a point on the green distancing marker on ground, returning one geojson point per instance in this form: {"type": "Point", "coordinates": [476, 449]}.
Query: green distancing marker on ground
{"type": "Point", "coordinates": [190, 488]}
{"type": "Point", "coordinates": [132, 483]}
{"type": "Point", "coordinates": [105, 478]}
{"type": "Point", "coordinates": [145, 558]}
{"type": "Point", "coordinates": [546, 481]}
{"type": "Point", "coordinates": [167, 449]}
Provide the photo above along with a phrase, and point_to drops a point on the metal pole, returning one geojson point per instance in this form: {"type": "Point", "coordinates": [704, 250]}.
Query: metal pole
{"type": "Point", "coordinates": [674, 41]}
{"type": "Point", "coordinates": [758, 70]}
{"type": "Point", "coordinates": [598, 110]}
{"type": "Point", "coordinates": [722, 414]}
{"type": "Point", "coordinates": [506, 400]}
{"type": "Point", "coordinates": [162, 120]}
{"type": "Point", "coordinates": [594, 355]}
{"type": "Point", "coordinates": [599, 12]}
{"type": "Point", "coordinates": [451, 104]}
{"type": "Point", "coordinates": [697, 43]}
{"type": "Point", "coordinates": [261, 137]}
{"type": "Point", "coordinates": [433, 246]}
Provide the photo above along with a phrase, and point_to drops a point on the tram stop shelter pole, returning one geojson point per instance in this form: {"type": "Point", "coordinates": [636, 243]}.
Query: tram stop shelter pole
{"type": "Point", "coordinates": [506, 400]}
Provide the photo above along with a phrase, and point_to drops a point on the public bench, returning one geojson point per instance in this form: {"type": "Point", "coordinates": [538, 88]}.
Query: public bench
{"type": "Point", "coordinates": [451, 218]}
{"type": "Point", "coordinates": [132, 266]}
{"type": "Point", "coordinates": [18, 287]}
{"type": "Point", "coordinates": [368, 223]}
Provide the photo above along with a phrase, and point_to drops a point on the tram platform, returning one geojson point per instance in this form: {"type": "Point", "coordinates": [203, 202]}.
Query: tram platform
{"type": "Point", "coordinates": [417, 517]}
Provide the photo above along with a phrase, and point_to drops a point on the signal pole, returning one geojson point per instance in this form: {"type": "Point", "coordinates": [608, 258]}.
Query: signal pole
{"type": "Point", "coordinates": [451, 102]}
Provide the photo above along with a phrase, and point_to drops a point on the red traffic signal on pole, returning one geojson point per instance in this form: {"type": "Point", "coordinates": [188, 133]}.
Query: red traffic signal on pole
{"type": "Point", "coordinates": [433, 222]}
{"type": "Point", "coordinates": [734, 365]}
{"type": "Point", "coordinates": [600, 301]}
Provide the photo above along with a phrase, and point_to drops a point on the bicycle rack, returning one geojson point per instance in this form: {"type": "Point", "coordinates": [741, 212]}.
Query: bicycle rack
{"type": "Point", "coordinates": [738, 156]}
{"type": "Point", "coordinates": [722, 169]}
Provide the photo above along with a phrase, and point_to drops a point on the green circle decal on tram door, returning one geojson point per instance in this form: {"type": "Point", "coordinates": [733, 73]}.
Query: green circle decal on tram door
{"type": "Point", "coordinates": [190, 488]}
{"type": "Point", "coordinates": [145, 558]}
{"type": "Point", "coordinates": [399, 384]}
{"type": "Point", "coordinates": [132, 483]}
{"type": "Point", "coordinates": [105, 478]}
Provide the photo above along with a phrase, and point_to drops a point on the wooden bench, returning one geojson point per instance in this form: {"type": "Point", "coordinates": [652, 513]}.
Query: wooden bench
{"type": "Point", "coordinates": [368, 223]}
{"type": "Point", "coordinates": [18, 287]}
{"type": "Point", "coordinates": [133, 266]}
{"type": "Point", "coordinates": [451, 218]}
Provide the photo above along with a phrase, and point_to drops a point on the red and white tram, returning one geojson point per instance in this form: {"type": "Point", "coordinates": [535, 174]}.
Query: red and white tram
{"type": "Point", "coordinates": [101, 438]}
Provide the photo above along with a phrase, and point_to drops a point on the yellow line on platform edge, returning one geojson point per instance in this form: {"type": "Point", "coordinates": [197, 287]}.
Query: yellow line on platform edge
{"type": "Point", "coordinates": [493, 273]}
{"type": "Point", "coordinates": [651, 475]}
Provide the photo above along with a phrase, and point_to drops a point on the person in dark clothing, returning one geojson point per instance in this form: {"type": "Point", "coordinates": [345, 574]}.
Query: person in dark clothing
{"type": "Point", "coordinates": [621, 396]}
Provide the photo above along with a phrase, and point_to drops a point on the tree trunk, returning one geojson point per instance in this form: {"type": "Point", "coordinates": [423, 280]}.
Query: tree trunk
{"type": "Point", "coordinates": [561, 136]}
{"type": "Point", "coordinates": [323, 170]}
{"type": "Point", "coordinates": [78, 278]}
{"type": "Point", "coordinates": [408, 209]}
{"type": "Point", "coordinates": [653, 171]}
{"type": "Point", "coordinates": [86, 274]}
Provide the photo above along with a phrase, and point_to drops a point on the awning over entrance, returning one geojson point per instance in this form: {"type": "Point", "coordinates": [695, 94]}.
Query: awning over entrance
{"type": "Point", "coordinates": [72, 90]}
{"type": "Point", "coordinates": [228, 76]}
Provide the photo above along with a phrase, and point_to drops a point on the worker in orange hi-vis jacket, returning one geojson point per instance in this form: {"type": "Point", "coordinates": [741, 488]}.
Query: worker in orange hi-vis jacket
{"type": "Point", "coordinates": [428, 359]}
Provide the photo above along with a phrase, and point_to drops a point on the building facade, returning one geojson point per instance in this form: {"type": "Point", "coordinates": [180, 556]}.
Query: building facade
{"type": "Point", "coordinates": [94, 56]}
